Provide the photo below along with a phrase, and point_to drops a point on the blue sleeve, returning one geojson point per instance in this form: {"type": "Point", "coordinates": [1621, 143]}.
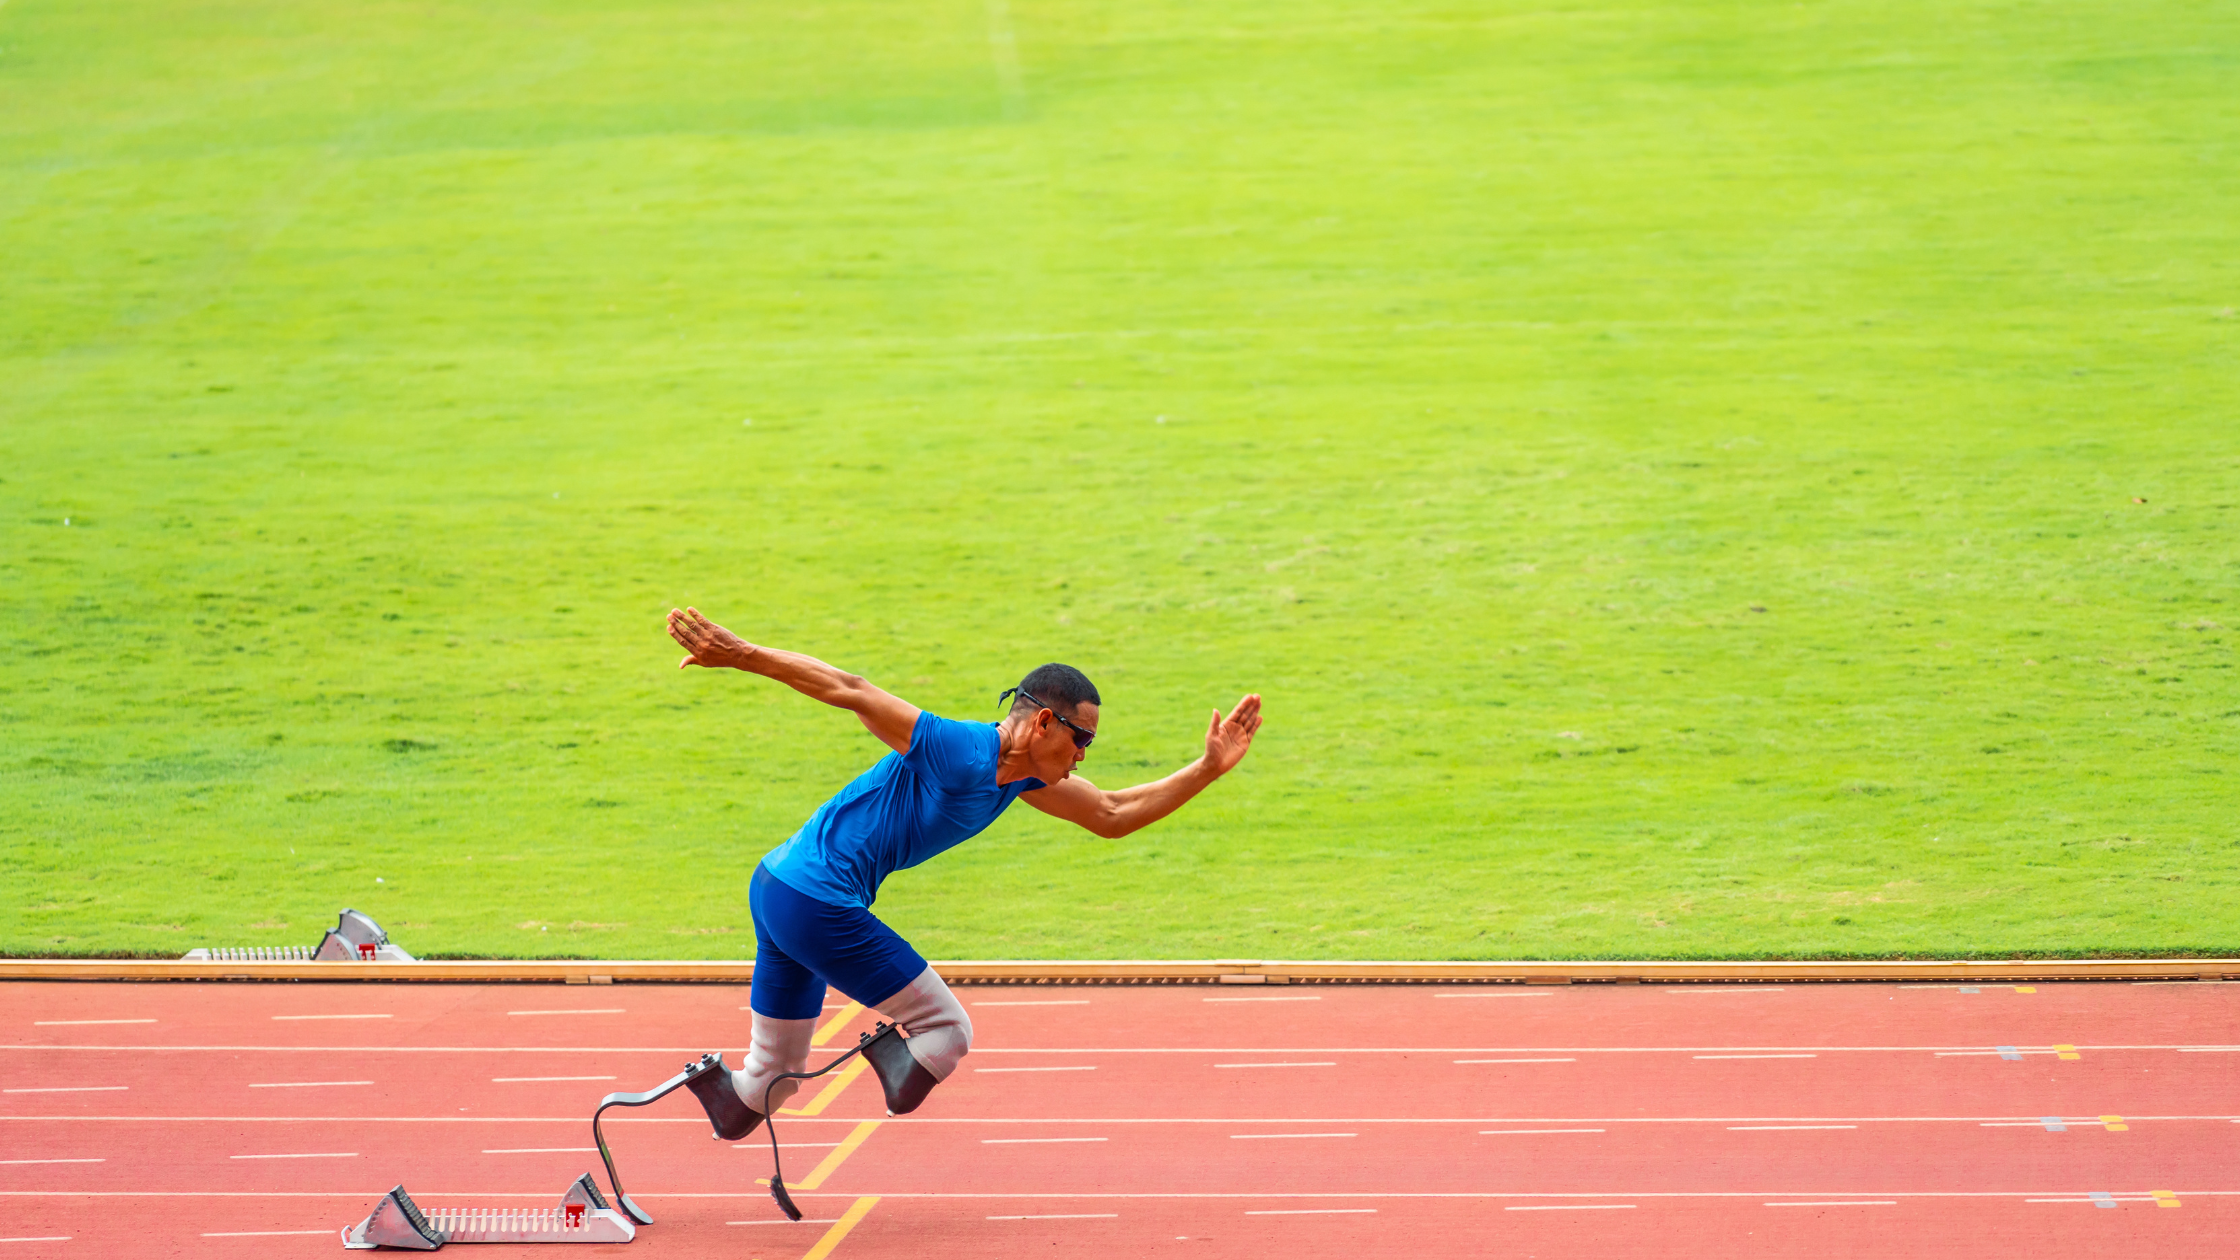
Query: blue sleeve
{"type": "Point", "coordinates": [956, 755]}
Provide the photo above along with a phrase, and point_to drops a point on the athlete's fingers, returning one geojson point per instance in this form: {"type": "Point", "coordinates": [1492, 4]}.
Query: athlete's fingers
{"type": "Point", "coordinates": [1213, 728]}
{"type": "Point", "coordinates": [686, 661]}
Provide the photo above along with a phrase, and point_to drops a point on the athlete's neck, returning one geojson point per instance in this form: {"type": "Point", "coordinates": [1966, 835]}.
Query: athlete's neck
{"type": "Point", "coordinates": [1012, 761]}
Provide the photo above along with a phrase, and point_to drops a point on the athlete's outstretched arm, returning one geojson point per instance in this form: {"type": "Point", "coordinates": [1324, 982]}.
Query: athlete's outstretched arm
{"type": "Point", "coordinates": [709, 645]}
{"type": "Point", "coordinates": [1115, 814]}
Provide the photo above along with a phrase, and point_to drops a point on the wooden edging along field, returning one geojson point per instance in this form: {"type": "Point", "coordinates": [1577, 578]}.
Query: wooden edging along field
{"type": "Point", "coordinates": [1208, 971]}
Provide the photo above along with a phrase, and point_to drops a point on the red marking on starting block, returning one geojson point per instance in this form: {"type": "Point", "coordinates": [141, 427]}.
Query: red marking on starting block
{"type": "Point", "coordinates": [365, 952]}
{"type": "Point", "coordinates": [575, 1216]}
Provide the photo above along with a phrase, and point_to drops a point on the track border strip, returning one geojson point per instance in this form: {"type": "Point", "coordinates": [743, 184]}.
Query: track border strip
{"type": "Point", "coordinates": [1201, 971]}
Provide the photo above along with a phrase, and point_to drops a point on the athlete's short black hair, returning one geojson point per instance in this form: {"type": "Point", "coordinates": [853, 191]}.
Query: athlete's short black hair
{"type": "Point", "coordinates": [1061, 687]}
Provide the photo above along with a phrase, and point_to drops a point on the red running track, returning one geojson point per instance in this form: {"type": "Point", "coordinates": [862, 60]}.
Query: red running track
{"type": "Point", "coordinates": [1817, 1122]}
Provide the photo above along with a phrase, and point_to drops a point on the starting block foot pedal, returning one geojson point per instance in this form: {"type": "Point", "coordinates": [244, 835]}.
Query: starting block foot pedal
{"type": "Point", "coordinates": [353, 938]}
{"type": "Point", "coordinates": [583, 1216]}
{"type": "Point", "coordinates": [396, 1221]}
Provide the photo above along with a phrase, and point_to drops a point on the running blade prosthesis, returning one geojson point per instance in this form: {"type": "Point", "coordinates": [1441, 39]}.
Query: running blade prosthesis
{"type": "Point", "coordinates": [582, 1217]}
{"type": "Point", "coordinates": [906, 1084]}
{"type": "Point", "coordinates": [710, 1082]}
{"type": "Point", "coordinates": [904, 1080]}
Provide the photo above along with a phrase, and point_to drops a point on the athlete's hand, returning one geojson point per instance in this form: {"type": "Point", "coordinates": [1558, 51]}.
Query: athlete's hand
{"type": "Point", "coordinates": [706, 643]}
{"type": "Point", "coordinates": [1229, 738]}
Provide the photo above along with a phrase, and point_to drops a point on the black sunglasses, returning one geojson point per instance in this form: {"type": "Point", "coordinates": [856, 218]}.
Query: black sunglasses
{"type": "Point", "coordinates": [1081, 737]}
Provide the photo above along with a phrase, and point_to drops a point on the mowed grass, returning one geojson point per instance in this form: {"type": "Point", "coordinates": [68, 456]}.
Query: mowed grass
{"type": "Point", "coordinates": [1691, 479]}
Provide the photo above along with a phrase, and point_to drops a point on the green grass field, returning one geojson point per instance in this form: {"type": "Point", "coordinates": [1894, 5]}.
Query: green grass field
{"type": "Point", "coordinates": [1691, 479]}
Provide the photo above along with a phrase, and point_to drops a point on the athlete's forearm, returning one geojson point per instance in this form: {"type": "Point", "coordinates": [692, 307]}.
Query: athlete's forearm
{"type": "Point", "coordinates": [805, 674]}
{"type": "Point", "coordinates": [1133, 809]}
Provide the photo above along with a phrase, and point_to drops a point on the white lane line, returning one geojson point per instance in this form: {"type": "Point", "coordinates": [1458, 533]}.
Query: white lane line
{"type": "Point", "coordinates": [1066, 1002]}
{"type": "Point", "coordinates": [73, 1023]}
{"type": "Point", "coordinates": [304, 1084]}
{"type": "Point", "coordinates": [1062, 1216]}
{"type": "Point", "coordinates": [1770, 1128]}
{"type": "Point", "coordinates": [1493, 1132]}
{"type": "Point", "coordinates": [53, 1238]}
{"type": "Point", "coordinates": [1261, 1065]}
{"type": "Point", "coordinates": [358, 1196]}
{"type": "Point", "coordinates": [114, 1048]}
{"type": "Point", "coordinates": [1084, 1068]}
{"type": "Point", "coordinates": [1516, 1060]}
{"type": "Point", "coordinates": [1755, 988]}
{"type": "Point", "coordinates": [333, 1017]}
{"type": "Point", "coordinates": [543, 1150]}
{"type": "Point", "coordinates": [752, 1147]}
{"type": "Point", "coordinates": [806, 1220]}
{"type": "Point", "coordinates": [1262, 999]}
{"type": "Point", "coordinates": [1313, 1212]}
{"type": "Point", "coordinates": [1757, 1056]}
{"type": "Point", "coordinates": [1032, 1141]}
{"type": "Point", "coordinates": [319, 1155]}
{"type": "Point", "coordinates": [57, 1118]}
{"type": "Point", "coordinates": [1841, 1203]}
{"type": "Point", "coordinates": [67, 1089]}
{"type": "Point", "coordinates": [1246, 1137]}
{"type": "Point", "coordinates": [54, 1161]}
{"type": "Point", "coordinates": [1567, 1207]}
{"type": "Point", "coordinates": [604, 1010]}
{"type": "Point", "coordinates": [523, 1080]}
{"type": "Point", "coordinates": [270, 1233]}
{"type": "Point", "coordinates": [1491, 995]}
{"type": "Point", "coordinates": [2209, 1050]}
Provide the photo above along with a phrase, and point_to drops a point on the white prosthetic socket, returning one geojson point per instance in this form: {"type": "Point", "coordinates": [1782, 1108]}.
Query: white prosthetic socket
{"type": "Point", "coordinates": [938, 1031]}
{"type": "Point", "coordinates": [779, 1045]}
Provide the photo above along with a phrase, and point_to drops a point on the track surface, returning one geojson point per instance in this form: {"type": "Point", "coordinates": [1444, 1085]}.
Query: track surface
{"type": "Point", "coordinates": [1818, 1122]}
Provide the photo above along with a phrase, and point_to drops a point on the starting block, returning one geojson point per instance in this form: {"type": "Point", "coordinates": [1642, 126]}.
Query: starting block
{"type": "Point", "coordinates": [353, 938]}
{"type": "Point", "coordinates": [582, 1217]}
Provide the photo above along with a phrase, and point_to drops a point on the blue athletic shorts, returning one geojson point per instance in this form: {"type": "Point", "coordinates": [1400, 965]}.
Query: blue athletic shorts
{"type": "Point", "coordinates": [802, 944]}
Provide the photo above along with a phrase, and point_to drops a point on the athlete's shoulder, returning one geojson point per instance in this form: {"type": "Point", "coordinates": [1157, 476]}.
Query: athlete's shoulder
{"type": "Point", "coordinates": [953, 751]}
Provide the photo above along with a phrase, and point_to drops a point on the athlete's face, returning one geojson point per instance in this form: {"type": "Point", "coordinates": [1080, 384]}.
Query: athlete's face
{"type": "Point", "coordinates": [1054, 747]}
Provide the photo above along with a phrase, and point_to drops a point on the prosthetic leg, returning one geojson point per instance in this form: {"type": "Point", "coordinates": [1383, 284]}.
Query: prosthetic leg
{"type": "Point", "coordinates": [871, 1045]}
{"type": "Point", "coordinates": [940, 1035]}
{"type": "Point", "coordinates": [908, 1069]}
{"type": "Point", "coordinates": [710, 1082]}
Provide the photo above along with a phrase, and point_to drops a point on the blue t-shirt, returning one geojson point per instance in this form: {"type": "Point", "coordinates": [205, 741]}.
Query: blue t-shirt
{"type": "Point", "coordinates": [898, 813]}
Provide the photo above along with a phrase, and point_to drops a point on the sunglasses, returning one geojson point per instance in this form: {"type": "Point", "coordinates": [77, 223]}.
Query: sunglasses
{"type": "Point", "coordinates": [1081, 736]}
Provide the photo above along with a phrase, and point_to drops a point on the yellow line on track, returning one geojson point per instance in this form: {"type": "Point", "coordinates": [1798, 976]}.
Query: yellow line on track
{"type": "Point", "coordinates": [831, 1091]}
{"type": "Point", "coordinates": [838, 1156]}
{"type": "Point", "coordinates": [831, 1027]}
{"type": "Point", "coordinates": [856, 1212]}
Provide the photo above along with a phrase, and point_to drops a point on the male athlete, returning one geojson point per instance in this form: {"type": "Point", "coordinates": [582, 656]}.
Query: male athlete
{"type": "Point", "coordinates": [944, 783]}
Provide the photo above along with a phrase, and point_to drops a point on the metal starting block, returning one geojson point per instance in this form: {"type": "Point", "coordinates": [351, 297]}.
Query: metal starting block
{"type": "Point", "coordinates": [582, 1217]}
{"type": "Point", "coordinates": [353, 938]}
